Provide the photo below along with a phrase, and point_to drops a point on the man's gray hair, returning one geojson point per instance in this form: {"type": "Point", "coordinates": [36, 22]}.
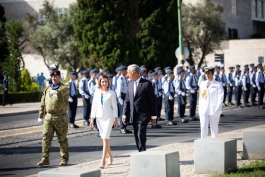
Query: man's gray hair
{"type": "Point", "coordinates": [134, 68]}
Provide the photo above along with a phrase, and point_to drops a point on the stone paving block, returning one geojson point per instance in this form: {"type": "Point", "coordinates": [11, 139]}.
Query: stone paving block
{"type": "Point", "coordinates": [155, 164]}
{"type": "Point", "coordinates": [70, 172]}
{"type": "Point", "coordinates": [254, 144]}
{"type": "Point", "coordinates": [215, 155]}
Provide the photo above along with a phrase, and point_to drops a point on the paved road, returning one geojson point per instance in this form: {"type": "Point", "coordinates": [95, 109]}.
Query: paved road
{"type": "Point", "coordinates": [20, 158]}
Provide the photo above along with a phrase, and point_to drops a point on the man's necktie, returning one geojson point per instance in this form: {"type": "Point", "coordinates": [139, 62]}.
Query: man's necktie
{"type": "Point", "coordinates": [208, 84]}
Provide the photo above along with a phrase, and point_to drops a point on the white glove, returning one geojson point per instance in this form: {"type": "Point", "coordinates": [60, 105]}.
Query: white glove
{"type": "Point", "coordinates": [183, 94]}
{"type": "Point", "coordinates": [86, 96]}
{"type": "Point", "coordinates": [224, 85]}
{"type": "Point", "coordinates": [159, 94]}
{"type": "Point", "coordinates": [254, 86]}
{"type": "Point", "coordinates": [170, 97]}
{"type": "Point", "coordinates": [121, 101]}
{"type": "Point", "coordinates": [259, 88]}
{"type": "Point", "coordinates": [231, 85]}
{"type": "Point", "coordinates": [246, 89]}
{"type": "Point", "coordinates": [40, 120]}
{"type": "Point", "coordinates": [192, 91]}
{"type": "Point", "coordinates": [70, 99]}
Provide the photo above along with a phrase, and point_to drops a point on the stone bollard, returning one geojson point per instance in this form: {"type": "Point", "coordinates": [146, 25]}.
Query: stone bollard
{"type": "Point", "coordinates": [70, 172]}
{"type": "Point", "coordinates": [215, 155]}
{"type": "Point", "coordinates": [155, 164]}
{"type": "Point", "coordinates": [254, 144]}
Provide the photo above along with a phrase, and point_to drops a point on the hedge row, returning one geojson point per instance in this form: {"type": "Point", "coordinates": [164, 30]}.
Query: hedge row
{"type": "Point", "coordinates": [23, 97]}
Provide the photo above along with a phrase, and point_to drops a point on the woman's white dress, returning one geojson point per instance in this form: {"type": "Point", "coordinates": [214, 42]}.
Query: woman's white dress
{"type": "Point", "coordinates": [104, 109]}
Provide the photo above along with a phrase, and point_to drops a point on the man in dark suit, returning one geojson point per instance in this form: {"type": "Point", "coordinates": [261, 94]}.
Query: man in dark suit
{"type": "Point", "coordinates": [140, 103]}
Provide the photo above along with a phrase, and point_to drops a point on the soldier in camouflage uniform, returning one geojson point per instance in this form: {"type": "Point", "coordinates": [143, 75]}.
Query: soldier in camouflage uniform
{"type": "Point", "coordinates": [53, 110]}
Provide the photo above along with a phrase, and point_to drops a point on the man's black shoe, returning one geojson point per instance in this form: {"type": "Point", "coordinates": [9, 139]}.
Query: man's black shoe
{"type": "Point", "coordinates": [224, 104]}
{"type": "Point", "coordinates": [125, 131]}
{"type": "Point", "coordinates": [86, 123]}
{"type": "Point", "coordinates": [221, 115]}
{"type": "Point", "coordinates": [184, 120]}
{"type": "Point", "coordinates": [171, 123]}
{"type": "Point", "coordinates": [261, 107]}
{"type": "Point", "coordinates": [73, 126]}
{"type": "Point", "coordinates": [95, 128]}
{"type": "Point", "coordinates": [159, 119]}
{"type": "Point", "coordinates": [156, 126]}
{"type": "Point", "coordinates": [194, 118]}
{"type": "Point", "coordinates": [231, 104]}
{"type": "Point", "coordinates": [240, 106]}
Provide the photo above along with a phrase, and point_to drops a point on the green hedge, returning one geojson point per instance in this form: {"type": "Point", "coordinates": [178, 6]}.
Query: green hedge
{"type": "Point", "coordinates": [23, 97]}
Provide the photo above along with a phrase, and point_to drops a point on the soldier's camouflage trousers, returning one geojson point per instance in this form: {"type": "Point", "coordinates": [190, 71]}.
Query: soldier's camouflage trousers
{"type": "Point", "coordinates": [59, 125]}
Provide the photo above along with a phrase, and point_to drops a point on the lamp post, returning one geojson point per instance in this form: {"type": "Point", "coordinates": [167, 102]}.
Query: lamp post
{"type": "Point", "coordinates": [181, 57]}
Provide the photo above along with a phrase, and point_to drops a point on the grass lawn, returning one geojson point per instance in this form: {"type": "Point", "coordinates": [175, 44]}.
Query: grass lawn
{"type": "Point", "coordinates": [254, 169]}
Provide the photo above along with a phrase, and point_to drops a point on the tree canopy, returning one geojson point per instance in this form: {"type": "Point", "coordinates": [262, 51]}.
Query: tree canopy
{"type": "Point", "coordinates": [203, 29]}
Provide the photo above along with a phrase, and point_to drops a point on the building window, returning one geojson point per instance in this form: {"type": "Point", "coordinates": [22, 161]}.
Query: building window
{"type": "Point", "coordinates": [234, 7]}
{"type": "Point", "coordinates": [254, 8]}
{"type": "Point", "coordinates": [232, 33]}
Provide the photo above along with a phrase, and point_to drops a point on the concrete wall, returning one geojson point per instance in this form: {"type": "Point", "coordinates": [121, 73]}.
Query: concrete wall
{"type": "Point", "coordinates": [239, 52]}
{"type": "Point", "coordinates": [18, 8]}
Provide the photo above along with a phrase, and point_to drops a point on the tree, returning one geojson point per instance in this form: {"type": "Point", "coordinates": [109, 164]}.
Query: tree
{"type": "Point", "coordinates": [203, 29]}
{"type": "Point", "coordinates": [14, 62]}
{"type": "Point", "coordinates": [106, 32]}
{"type": "Point", "coordinates": [158, 36]}
{"type": "Point", "coordinates": [54, 40]}
{"type": "Point", "coordinates": [3, 41]}
{"type": "Point", "coordinates": [25, 80]}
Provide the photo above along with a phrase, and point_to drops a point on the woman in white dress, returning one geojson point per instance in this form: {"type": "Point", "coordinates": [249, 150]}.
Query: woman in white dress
{"type": "Point", "coordinates": [104, 108]}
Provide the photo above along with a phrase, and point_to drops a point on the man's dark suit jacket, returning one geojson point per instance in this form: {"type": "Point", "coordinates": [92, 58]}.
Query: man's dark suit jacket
{"type": "Point", "coordinates": [143, 105]}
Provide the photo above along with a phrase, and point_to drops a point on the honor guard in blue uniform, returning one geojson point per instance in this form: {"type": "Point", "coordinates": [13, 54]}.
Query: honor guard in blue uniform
{"type": "Point", "coordinates": [234, 72]}
{"type": "Point", "coordinates": [230, 85]}
{"type": "Point", "coordinates": [169, 92]}
{"type": "Point", "coordinates": [177, 76]}
{"type": "Point", "coordinates": [104, 72]}
{"type": "Point", "coordinates": [260, 85]}
{"type": "Point", "coordinates": [92, 87]}
{"type": "Point", "coordinates": [122, 87]}
{"type": "Point", "coordinates": [72, 100]}
{"type": "Point", "coordinates": [251, 65]}
{"type": "Point", "coordinates": [160, 75]}
{"type": "Point", "coordinates": [181, 92]}
{"type": "Point", "coordinates": [192, 87]}
{"type": "Point", "coordinates": [83, 90]}
{"type": "Point", "coordinates": [244, 71]}
{"type": "Point", "coordinates": [217, 78]}
{"type": "Point", "coordinates": [158, 92]}
{"type": "Point", "coordinates": [253, 86]}
{"type": "Point", "coordinates": [246, 86]}
{"type": "Point", "coordinates": [116, 77]}
{"type": "Point", "coordinates": [187, 71]}
{"type": "Point", "coordinates": [143, 74]}
{"type": "Point", "coordinates": [238, 88]}
{"type": "Point", "coordinates": [224, 83]}
{"type": "Point", "coordinates": [49, 81]}
{"type": "Point", "coordinates": [111, 86]}
{"type": "Point", "coordinates": [5, 88]}
{"type": "Point", "coordinates": [202, 76]}
{"type": "Point", "coordinates": [164, 78]}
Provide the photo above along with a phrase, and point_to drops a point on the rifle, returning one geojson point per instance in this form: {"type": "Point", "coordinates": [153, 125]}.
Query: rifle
{"type": "Point", "coordinates": [182, 100]}
{"type": "Point", "coordinates": [84, 100]}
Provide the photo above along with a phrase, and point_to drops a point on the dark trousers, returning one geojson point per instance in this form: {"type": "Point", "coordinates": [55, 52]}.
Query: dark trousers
{"type": "Point", "coordinates": [229, 93]}
{"type": "Point", "coordinates": [6, 98]}
{"type": "Point", "coordinates": [253, 94]}
{"type": "Point", "coordinates": [72, 110]}
{"type": "Point", "coordinates": [225, 93]}
{"type": "Point", "coordinates": [193, 102]}
{"type": "Point", "coordinates": [181, 106]}
{"type": "Point", "coordinates": [159, 105]}
{"type": "Point", "coordinates": [261, 94]}
{"type": "Point", "coordinates": [169, 106]}
{"type": "Point", "coordinates": [246, 94]}
{"type": "Point", "coordinates": [120, 109]}
{"type": "Point", "coordinates": [238, 93]}
{"type": "Point", "coordinates": [86, 109]}
{"type": "Point", "coordinates": [140, 135]}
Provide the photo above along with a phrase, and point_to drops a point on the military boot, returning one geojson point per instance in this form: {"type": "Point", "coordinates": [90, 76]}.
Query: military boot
{"type": "Point", "coordinates": [63, 163]}
{"type": "Point", "coordinates": [43, 163]}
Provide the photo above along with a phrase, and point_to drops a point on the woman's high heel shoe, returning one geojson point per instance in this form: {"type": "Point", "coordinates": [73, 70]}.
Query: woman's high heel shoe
{"type": "Point", "coordinates": [110, 161]}
{"type": "Point", "coordinates": [102, 166]}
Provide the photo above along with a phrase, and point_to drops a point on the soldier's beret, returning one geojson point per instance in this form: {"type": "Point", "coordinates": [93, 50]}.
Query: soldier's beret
{"type": "Point", "coordinates": [110, 75]}
{"type": "Point", "coordinates": [237, 65]}
{"type": "Point", "coordinates": [222, 67]}
{"type": "Point", "coordinates": [85, 72]}
{"type": "Point", "coordinates": [169, 72]}
{"type": "Point", "coordinates": [104, 70]}
{"type": "Point", "coordinates": [167, 68]}
{"type": "Point", "coordinates": [93, 71]}
{"type": "Point", "coordinates": [246, 65]}
{"type": "Point", "coordinates": [55, 73]}
{"type": "Point", "coordinates": [246, 69]}
{"type": "Point", "coordinates": [191, 67]}
{"type": "Point", "coordinates": [143, 71]}
{"type": "Point", "coordinates": [254, 67]}
{"type": "Point", "coordinates": [71, 73]}
{"type": "Point", "coordinates": [230, 67]}
{"type": "Point", "coordinates": [157, 68]}
{"type": "Point", "coordinates": [123, 68]}
{"type": "Point", "coordinates": [251, 64]}
{"type": "Point", "coordinates": [238, 71]}
{"type": "Point", "coordinates": [179, 67]}
{"type": "Point", "coordinates": [4, 72]}
{"type": "Point", "coordinates": [117, 69]}
{"type": "Point", "coordinates": [209, 69]}
{"type": "Point", "coordinates": [153, 74]}
{"type": "Point", "coordinates": [143, 66]}
{"type": "Point", "coordinates": [217, 67]}
{"type": "Point", "coordinates": [258, 65]}
{"type": "Point", "coordinates": [97, 75]}
{"type": "Point", "coordinates": [203, 67]}
{"type": "Point", "coordinates": [52, 69]}
{"type": "Point", "coordinates": [180, 71]}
